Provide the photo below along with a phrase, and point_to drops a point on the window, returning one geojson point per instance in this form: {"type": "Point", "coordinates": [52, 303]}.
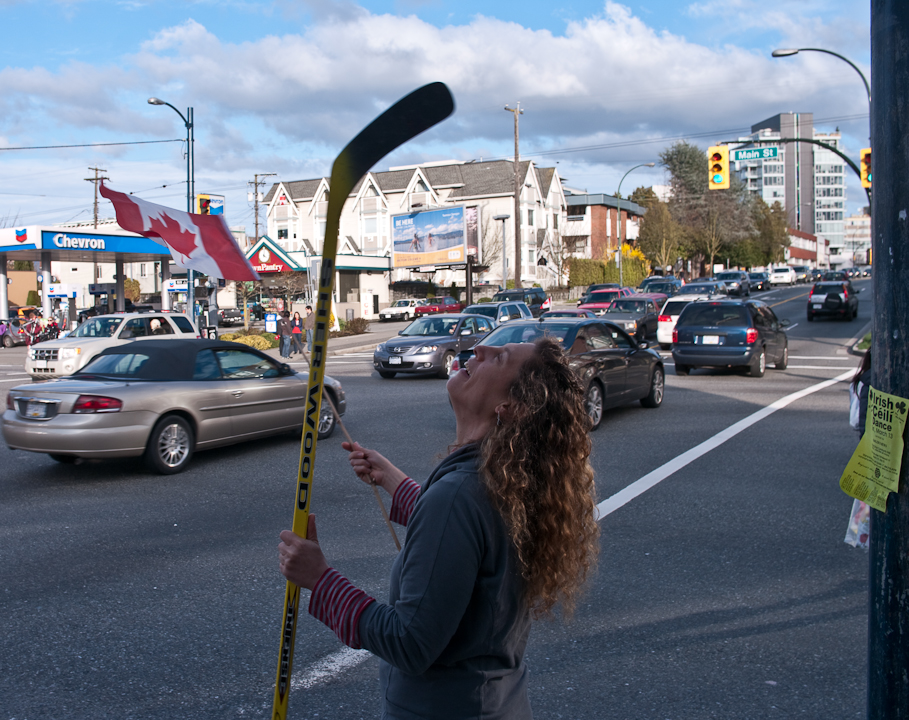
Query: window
{"type": "Point", "coordinates": [184, 324]}
{"type": "Point", "coordinates": [207, 367]}
{"type": "Point", "coordinates": [282, 233]}
{"type": "Point", "coordinates": [141, 269]}
{"type": "Point", "coordinates": [370, 225]}
{"type": "Point", "coordinates": [244, 365]}
{"type": "Point", "coordinates": [530, 217]}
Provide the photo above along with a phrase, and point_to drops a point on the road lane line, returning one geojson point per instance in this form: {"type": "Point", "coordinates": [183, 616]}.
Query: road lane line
{"type": "Point", "coordinates": [651, 479]}
{"type": "Point", "coordinates": [329, 667]}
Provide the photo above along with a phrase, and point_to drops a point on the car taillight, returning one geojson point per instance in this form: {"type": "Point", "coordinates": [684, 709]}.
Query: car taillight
{"type": "Point", "coordinates": [96, 404]}
{"type": "Point", "coordinates": [811, 293]}
{"type": "Point", "coordinates": [675, 336]}
{"type": "Point", "coordinates": [751, 335]}
{"type": "Point", "coordinates": [845, 293]}
{"type": "Point", "coordinates": [664, 318]}
{"type": "Point", "coordinates": [455, 366]}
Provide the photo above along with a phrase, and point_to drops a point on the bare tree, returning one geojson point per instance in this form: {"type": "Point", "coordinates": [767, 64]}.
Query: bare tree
{"type": "Point", "coordinates": [246, 291]}
{"type": "Point", "coordinates": [660, 235]}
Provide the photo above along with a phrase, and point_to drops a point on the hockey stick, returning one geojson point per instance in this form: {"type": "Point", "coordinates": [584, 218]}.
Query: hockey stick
{"type": "Point", "coordinates": [403, 121]}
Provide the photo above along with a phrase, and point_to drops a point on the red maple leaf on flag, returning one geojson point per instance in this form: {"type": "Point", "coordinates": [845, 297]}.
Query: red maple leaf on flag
{"type": "Point", "coordinates": [182, 241]}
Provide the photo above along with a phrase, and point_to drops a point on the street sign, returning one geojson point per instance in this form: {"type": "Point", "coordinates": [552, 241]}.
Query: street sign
{"type": "Point", "coordinates": [755, 154]}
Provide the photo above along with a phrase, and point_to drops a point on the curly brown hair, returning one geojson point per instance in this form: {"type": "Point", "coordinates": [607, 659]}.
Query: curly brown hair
{"type": "Point", "coordinates": [536, 470]}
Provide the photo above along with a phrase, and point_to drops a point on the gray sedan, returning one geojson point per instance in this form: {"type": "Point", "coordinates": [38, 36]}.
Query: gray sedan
{"type": "Point", "coordinates": [163, 399]}
{"type": "Point", "coordinates": [429, 344]}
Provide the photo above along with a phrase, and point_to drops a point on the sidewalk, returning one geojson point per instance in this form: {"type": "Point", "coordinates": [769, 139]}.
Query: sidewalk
{"type": "Point", "coordinates": [378, 332]}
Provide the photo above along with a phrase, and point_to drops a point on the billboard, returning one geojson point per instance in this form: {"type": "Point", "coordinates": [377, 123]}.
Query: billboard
{"type": "Point", "coordinates": [433, 237]}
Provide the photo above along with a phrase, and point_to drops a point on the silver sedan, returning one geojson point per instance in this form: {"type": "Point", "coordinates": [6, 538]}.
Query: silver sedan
{"type": "Point", "coordinates": [164, 399]}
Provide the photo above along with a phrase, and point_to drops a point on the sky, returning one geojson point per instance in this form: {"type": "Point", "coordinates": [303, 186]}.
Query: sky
{"type": "Point", "coordinates": [281, 86]}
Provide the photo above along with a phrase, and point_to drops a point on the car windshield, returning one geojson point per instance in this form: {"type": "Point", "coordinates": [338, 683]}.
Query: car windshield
{"type": "Point", "coordinates": [660, 287]}
{"type": "Point", "coordinates": [602, 297]}
{"type": "Point", "coordinates": [508, 296]}
{"type": "Point", "coordinates": [430, 326]}
{"type": "Point", "coordinates": [828, 288]}
{"type": "Point", "coordinates": [525, 332]}
{"type": "Point", "coordinates": [755, 276]}
{"type": "Point", "coordinates": [715, 315]}
{"type": "Point", "coordinates": [626, 306]}
{"type": "Point", "coordinates": [729, 276]}
{"type": "Point", "coordinates": [97, 327]}
{"type": "Point", "coordinates": [402, 303]}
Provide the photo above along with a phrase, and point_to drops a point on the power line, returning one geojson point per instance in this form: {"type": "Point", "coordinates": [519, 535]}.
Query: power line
{"type": "Point", "coordinates": [56, 147]}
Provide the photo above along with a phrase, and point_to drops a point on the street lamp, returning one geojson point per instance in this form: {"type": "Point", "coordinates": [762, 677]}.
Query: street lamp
{"type": "Point", "coordinates": [190, 189]}
{"type": "Point", "coordinates": [786, 52]}
{"type": "Point", "coordinates": [503, 218]}
{"type": "Point", "coordinates": [618, 197]}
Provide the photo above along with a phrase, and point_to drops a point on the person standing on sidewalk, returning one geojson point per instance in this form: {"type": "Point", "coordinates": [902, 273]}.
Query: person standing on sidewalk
{"type": "Point", "coordinates": [284, 333]}
{"type": "Point", "coordinates": [309, 324]}
{"type": "Point", "coordinates": [296, 332]}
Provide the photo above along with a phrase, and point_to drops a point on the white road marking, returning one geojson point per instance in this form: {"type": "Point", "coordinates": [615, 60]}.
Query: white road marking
{"type": "Point", "coordinates": [816, 357]}
{"type": "Point", "coordinates": [651, 479]}
{"type": "Point", "coordinates": [328, 667]}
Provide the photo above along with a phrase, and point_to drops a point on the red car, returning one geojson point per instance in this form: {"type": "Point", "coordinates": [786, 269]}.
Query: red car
{"type": "Point", "coordinates": [599, 300]}
{"type": "Point", "coordinates": [438, 305]}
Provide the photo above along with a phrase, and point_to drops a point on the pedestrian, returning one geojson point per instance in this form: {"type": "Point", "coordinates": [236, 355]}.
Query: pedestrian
{"type": "Point", "coordinates": [858, 393]}
{"type": "Point", "coordinates": [502, 530]}
{"type": "Point", "coordinates": [284, 333]}
{"type": "Point", "coordinates": [309, 324]}
{"type": "Point", "coordinates": [296, 332]}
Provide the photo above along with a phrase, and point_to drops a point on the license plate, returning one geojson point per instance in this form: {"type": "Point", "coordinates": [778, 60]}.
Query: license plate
{"type": "Point", "coordinates": [818, 305]}
{"type": "Point", "coordinates": [394, 360]}
{"type": "Point", "coordinates": [40, 363]}
{"type": "Point", "coordinates": [36, 410]}
{"type": "Point", "coordinates": [710, 340]}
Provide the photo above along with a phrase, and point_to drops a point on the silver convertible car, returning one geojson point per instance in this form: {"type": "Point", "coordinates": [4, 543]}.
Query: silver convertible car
{"type": "Point", "coordinates": [163, 399]}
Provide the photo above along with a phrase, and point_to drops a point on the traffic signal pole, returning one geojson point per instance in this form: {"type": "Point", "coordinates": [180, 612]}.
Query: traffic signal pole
{"type": "Point", "coordinates": [888, 621]}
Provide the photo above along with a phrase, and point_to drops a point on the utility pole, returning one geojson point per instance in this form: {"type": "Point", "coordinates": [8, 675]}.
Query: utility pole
{"type": "Point", "coordinates": [255, 197]}
{"type": "Point", "coordinates": [96, 180]}
{"type": "Point", "coordinates": [888, 619]}
{"type": "Point", "coordinates": [517, 200]}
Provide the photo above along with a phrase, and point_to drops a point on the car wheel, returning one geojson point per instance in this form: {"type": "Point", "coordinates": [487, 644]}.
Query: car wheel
{"type": "Point", "coordinates": [665, 346]}
{"type": "Point", "coordinates": [66, 459]}
{"type": "Point", "coordinates": [406, 317]}
{"type": "Point", "coordinates": [593, 403]}
{"type": "Point", "coordinates": [386, 374]}
{"type": "Point", "coordinates": [784, 360]}
{"type": "Point", "coordinates": [681, 369]}
{"type": "Point", "coordinates": [855, 312]}
{"type": "Point", "coordinates": [327, 419]}
{"type": "Point", "coordinates": [7, 341]}
{"type": "Point", "coordinates": [447, 360]}
{"type": "Point", "coordinates": [759, 365]}
{"type": "Point", "coordinates": [170, 446]}
{"type": "Point", "coordinates": [657, 383]}
{"type": "Point", "coordinates": [811, 317]}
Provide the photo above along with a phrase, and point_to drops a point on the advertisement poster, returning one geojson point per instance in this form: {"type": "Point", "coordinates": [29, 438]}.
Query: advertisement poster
{"type": "Point", "coordinates": [431, 237]}
{"type": "Point", "coordinates": [874, 470]}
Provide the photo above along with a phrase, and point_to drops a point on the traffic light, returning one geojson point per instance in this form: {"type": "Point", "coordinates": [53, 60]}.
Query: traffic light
{"type": "Point", "coordinates": [204, 205]}
{"type": "Point", "coordinates": [718, 167]}
{"type": "Point", "coordinates": [865, 167]}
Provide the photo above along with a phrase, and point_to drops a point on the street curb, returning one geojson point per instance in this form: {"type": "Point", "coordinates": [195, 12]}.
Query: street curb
{"type": "Point", "coordinates": [853, 344]}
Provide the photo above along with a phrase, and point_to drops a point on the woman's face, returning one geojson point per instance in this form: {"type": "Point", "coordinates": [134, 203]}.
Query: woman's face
{"type": "Point", "coordinates": [483, 384]}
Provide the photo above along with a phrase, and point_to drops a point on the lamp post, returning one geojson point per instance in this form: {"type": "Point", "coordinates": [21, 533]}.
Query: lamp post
{"type": "Point", "coordinates": [503, 218]}
{"type": "Point", "coordinates": [786, 52]}
{"type": "Point", "coordinates": [618, 198]}
{"type": "Point", "coordinates": [190, 191]}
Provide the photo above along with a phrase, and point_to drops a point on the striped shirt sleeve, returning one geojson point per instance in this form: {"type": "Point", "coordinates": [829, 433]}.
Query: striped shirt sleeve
{"type": "Point", "coordinates": [337, 603]}
{"type": "Point", "coordinates": [404, 499]}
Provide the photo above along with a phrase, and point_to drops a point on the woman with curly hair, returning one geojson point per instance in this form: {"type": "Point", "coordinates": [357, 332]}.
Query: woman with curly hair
{"type": "Point", "coordinates": [501, 532]}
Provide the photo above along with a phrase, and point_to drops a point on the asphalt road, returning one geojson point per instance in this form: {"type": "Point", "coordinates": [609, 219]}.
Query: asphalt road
{"type": "Point", "coordinates": [724, 589]}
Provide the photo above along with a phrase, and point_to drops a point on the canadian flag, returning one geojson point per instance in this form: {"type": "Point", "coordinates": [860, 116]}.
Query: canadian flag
{"type": "Point", "coordinates": [197, 242]}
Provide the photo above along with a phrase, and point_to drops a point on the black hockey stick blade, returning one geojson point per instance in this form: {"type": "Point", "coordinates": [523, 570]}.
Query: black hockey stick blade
{"type": "Point", "coordinates": [403, 121]}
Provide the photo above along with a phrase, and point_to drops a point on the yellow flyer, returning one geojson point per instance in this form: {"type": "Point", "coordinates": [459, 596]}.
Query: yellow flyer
{"type": "Point", "coordinates": [874, 470]}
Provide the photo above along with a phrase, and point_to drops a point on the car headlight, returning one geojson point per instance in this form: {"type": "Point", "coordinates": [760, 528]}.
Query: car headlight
{"type": "Point", "coordinates": [380, 347]}
{"type": "Point", "coordinates": [428, 348]}
{"type": "Point", "coordinates": [631, 325]}
{"type": "Point", "coordinates": [32, 353]}
{"type": "Point", "coordinates": [66, 353]}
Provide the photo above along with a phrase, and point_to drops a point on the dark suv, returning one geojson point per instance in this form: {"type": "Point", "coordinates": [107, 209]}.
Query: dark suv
{"type": "Point", "coordinates": [534, 298]}
{"type": "Point", "coordinates": [833, 299]}
{"type": "Point", "coordinates": [729, 333]}
{"type": "Point", "coordinates": [737, 282]}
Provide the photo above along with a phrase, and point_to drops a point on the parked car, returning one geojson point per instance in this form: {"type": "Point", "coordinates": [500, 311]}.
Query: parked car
{"type": "Point", "coordinates": [614, 369]}
{"type": "Point", "coordinates": [401, 309]}
{"type": "Point", "coordinates": [429, 344]}
{"type": "Point", "coordinates": [760, 281]}
{"type": "Point", "coordinates": [669, 315]}
{"type": "Point", "coordinates": [599, 300]}
{"type": "Point", "coordinates": [705, 287]}
{"type": "Point", "coordinates": [163, 399]}
{"type": "Point", "coordinates": [782, 276]}
{"type": "Point", "coordinates": [737, 282]}
{"type": "Point", "coordinates": [568, 313]}
{"type": "Point", "coordinates": [66, 355]}
{"type": "Point", "coordinates": [601, 286]}
{"type": "Point", "coordinates": [500, 312]}
{"type": "Point", "coordinates": [534, 298]}
{"type": "Point", "coordinates": [834, 275]}
{"type": "Point", "coordinates": [635, 314]}
{"type": "Point", "coordinates": [729, 333]}
{"type": "Point", "coordinates": [230, 316]}
{"type": "Point", "coordinates": [438, 305]}
{"type": "Point", "coordinates": [12, 332]}
{"type": "Point", "coordinates": [833, 299]}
